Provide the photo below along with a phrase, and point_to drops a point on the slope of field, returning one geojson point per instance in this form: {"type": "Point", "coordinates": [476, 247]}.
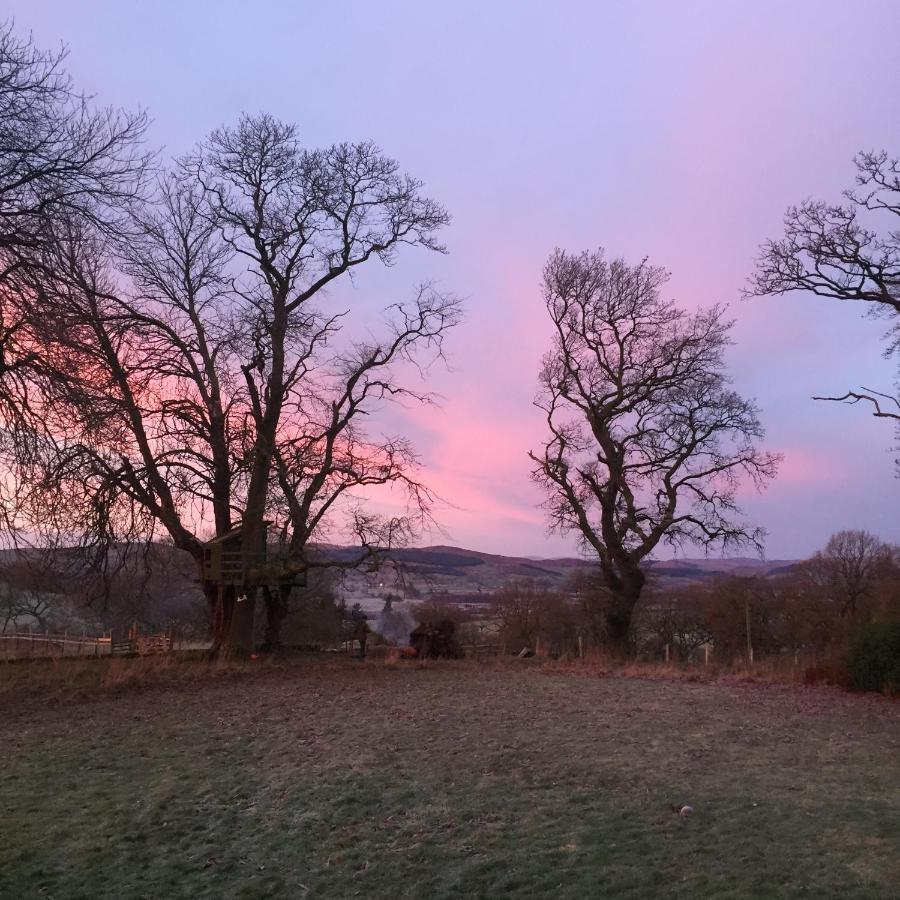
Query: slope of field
{"type": "Point", "coordinates": [340, 780]}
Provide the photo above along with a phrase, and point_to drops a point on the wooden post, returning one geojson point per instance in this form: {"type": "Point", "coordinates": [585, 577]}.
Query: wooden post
{"type": "Point", "coordinates": [667, 652]}
{"type": "Point", "coordinates": [706, 654]}
{"type": "Point", "coordinates": [580, 647]}
{"type": "Point", "coordinates": [537, 646]}
{"type": "Point", "coordinates": [749, 642]}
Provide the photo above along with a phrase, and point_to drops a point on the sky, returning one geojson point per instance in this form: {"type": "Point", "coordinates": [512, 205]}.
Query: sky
{"type": "Point", "coordinates": [674, 131]}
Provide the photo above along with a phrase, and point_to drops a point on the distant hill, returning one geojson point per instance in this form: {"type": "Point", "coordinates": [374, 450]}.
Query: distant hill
{"type": "Point", "coordinates": [466, 574]}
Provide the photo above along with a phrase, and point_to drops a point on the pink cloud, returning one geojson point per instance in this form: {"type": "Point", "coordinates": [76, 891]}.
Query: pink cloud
{"type": "Point", "coordinates": [804, 466]}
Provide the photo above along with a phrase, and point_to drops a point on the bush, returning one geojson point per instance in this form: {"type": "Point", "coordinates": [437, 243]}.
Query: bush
{"type": "Point", "coordinates": [436, 640]}
{"type": "Point", "coordinates": [875, 659]}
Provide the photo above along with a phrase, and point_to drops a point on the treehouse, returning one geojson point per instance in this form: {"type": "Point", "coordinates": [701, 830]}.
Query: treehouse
{"type": "Point", "coordinates": [226, 563]}
{"type": "Point", "coordinates": [224, 559]}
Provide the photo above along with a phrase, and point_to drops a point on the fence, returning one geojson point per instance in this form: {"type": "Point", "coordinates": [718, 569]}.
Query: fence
{"type": "Point", "coordinates": [43, 645]}
{"type": "Point", "coordinates": [38, 644]}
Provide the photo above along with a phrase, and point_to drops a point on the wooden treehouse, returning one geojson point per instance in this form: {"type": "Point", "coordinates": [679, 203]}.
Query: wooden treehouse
{"type": "Point", "coordinates": [226, 563]}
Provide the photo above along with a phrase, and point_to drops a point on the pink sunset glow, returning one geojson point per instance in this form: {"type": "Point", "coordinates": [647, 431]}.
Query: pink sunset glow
{"type": "Point", "coordinates": [677, 132]}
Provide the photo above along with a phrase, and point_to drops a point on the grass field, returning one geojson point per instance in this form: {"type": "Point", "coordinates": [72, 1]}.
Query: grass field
{"type": "Point", "coordinates": [335, 779]}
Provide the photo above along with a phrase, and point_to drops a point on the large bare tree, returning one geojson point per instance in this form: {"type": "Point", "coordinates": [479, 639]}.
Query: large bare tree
{"type": "Point", "coordinates": [194, 377]}
{"type": "Point", "coordinates": [60, 156]}
{"type": "Point", "coordinates": [846, 251]}
{"type": "Point", "coordinates": [646, 440]}
{"type": "Point", "coordinates": [849, 566]}
{"type": "Point", "coordinates": [58, 152]}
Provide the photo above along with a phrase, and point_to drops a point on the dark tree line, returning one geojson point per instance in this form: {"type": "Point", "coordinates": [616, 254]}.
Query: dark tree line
{"type": "Point", "coordinates": [816, 609]}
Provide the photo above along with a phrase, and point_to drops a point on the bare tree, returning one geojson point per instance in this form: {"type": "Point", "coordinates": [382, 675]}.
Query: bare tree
{"type": "Point", "coordinates": [519, 608]}
{"type": "Point", "coordinates": [190, 380]}
{"type": "Point", "coordinates": [58, 152]}
{"type": "Point", "coordinates": [647, 442]}
{"type": "Point", "coordinates": [849, 566]}
{"type": "Point", "coordinates": [20, 605]}
{"type": "Point", "coordinates": [60, 155]}
{"type": "Point", "coordinates": [673, 617]}
{"type": "Point", "coordinates": [740, 615]}
{"type": "Point", "coordinates": [847, 251]}
{"type": "Point", "coordinates": [31, 591]}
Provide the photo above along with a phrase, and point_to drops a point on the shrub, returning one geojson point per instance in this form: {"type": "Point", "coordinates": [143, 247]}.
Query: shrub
{"type": "Point", "coordinates": [875, 659]}
{"type": "Point", "coordinates": [436, 640]}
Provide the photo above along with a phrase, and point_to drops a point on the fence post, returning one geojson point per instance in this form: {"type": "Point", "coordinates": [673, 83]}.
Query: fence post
{"type": "Point", "coordinates": [706, 654]}
{"type": "Point", "coordinates": [667, 652]}
{"type": "Point", "coordinates": [749, 639]}
{"type": "Point", "coordinates": [580, 647]}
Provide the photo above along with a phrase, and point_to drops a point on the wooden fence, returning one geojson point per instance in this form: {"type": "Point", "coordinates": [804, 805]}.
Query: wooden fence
{"type": "Point", "coordinates": [44, 645]}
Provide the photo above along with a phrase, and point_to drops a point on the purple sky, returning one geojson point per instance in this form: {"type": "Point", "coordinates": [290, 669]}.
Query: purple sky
{"type": "Point", "coordinates": [677, 131]}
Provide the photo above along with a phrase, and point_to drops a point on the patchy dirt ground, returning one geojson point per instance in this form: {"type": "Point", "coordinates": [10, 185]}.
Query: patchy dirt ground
{"type": "Point", "coordinates": [331, 779]}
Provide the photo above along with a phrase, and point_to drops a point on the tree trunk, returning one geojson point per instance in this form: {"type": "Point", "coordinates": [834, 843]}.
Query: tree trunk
{"type": "Point", "coordinates": [240, 634]}
{"type": "Point", "coordinates": [624, 598]}
{"type": "Point", "coordinates": [618, 628]}
{"type": "Point", "coordinates": [220, 600]}
{"type": "Point", "coordinates": [276, 602]}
